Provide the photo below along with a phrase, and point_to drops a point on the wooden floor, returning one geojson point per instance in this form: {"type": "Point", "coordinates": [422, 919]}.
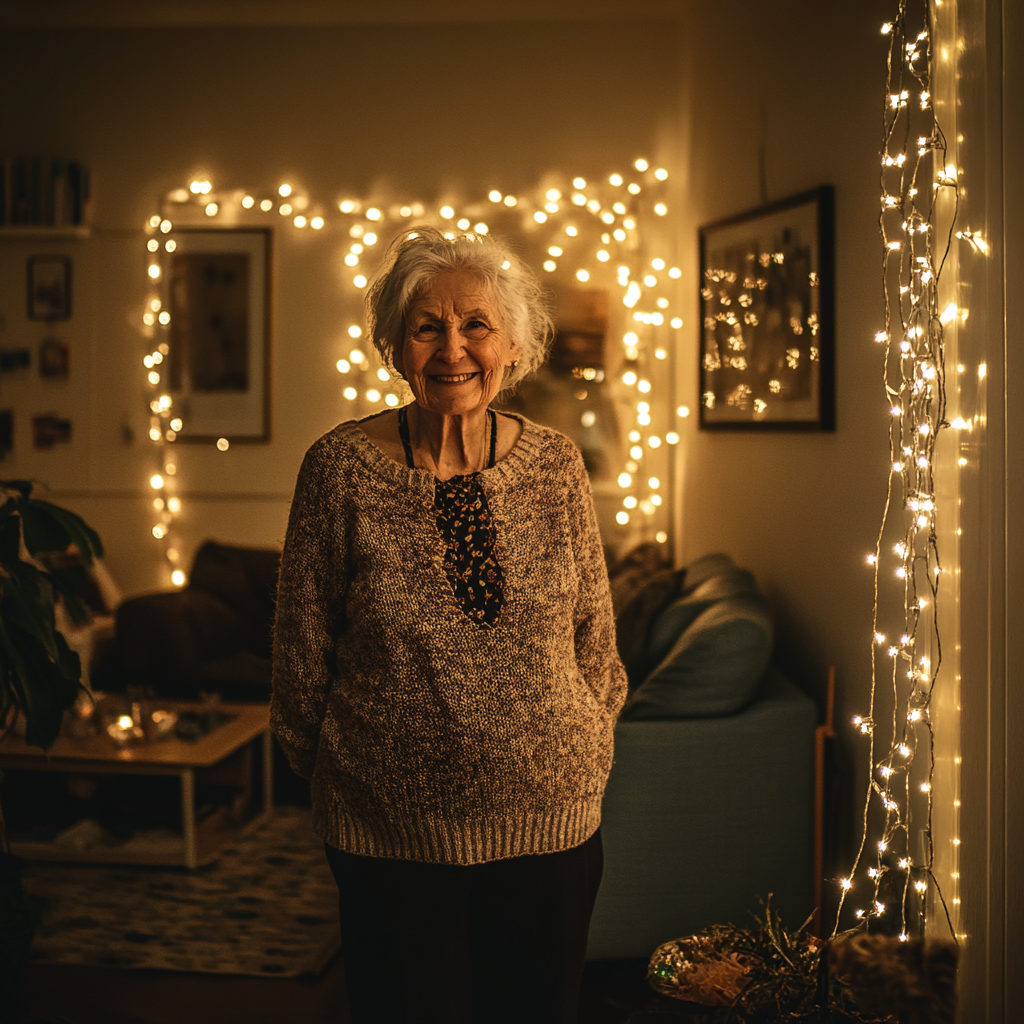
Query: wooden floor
{"type": "Point", "coordinates": [614, 992]}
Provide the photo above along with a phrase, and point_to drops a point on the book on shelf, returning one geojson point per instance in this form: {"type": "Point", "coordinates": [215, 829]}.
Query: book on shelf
{"type": "Point", "coordinates": [43, 191]}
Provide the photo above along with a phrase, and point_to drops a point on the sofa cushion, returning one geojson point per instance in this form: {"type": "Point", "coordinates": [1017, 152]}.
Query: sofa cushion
{"type": "Point", "coordinates": [162, 639]}
{"type": "Point", "coordinates": [714, 666]}
{"type": "Point", "coordinates": [633, 622]}
{"type": "Point", "coordinates": [245, 580]}
{"type": "Point", "coordinates": [676, 617]}
{"type": "Point", "coordinates": [704, 568]}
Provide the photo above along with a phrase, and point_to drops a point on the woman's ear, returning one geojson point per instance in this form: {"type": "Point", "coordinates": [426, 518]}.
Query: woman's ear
{"type": "Point", "coordinates": [397, 361]}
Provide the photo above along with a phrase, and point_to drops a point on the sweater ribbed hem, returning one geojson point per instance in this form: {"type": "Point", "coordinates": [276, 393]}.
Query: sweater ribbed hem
{"type": "Point", "coordinates": [439, 841]}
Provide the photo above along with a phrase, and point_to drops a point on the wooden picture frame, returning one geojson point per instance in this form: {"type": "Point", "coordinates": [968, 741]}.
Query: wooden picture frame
{"type": "Point", "coordinates": [49, 288]}
{"type": "Point", "coordinates": [218, 295]}
{"type": "Point", "coordinates": [767, 300]}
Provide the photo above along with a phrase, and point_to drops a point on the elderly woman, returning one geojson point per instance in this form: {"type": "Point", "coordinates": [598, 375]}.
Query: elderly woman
{"type": "Point", "coordinates": [445, 670]}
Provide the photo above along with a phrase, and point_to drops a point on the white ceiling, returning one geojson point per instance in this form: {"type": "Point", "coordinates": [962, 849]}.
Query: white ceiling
{"type": "Point", "coordinates": [178, 13]}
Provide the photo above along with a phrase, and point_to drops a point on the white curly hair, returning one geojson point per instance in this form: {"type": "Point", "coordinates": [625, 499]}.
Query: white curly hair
{"type": "Point", "coordinates": [421, 254]}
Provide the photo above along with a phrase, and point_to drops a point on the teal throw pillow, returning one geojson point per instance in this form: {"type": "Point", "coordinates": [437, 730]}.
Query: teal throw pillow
{"type": "Point", "coordinates": [704, 568]}
{"type": "Point", "coordinates": [671, 622]}
{"type": "Point", "coordinates": [714, 666]}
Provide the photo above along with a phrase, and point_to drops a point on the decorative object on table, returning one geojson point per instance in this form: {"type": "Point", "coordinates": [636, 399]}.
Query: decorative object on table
{"type": "Point", "coordinates": [218, 307]}
{"type": "Point", "coordinates": [266, 907]}
{"type": "Point", "coordinates": [756, 975]}
{"type": "Point", "coordinates": [6, 433]}
{"type": "Point", "coordinates": [49, 429]}
{"type": "Point", "coordinates": [54, 359]}
{"type": "Point", "coordinates": [12, 359]}
{"type": "Point", "coordinates": [49, 288]}
{"type": "Point", "coordinates": [39, 675]}
{"type": "Point", "coordinates": [767, 307]}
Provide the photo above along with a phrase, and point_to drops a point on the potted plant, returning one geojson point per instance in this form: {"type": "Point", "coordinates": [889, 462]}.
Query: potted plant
{"type": "Point", "coordinates": [40, 676]}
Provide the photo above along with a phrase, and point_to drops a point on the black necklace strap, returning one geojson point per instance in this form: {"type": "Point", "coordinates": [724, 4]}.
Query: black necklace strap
{"type": "Point", "coordinates": [403, 433]}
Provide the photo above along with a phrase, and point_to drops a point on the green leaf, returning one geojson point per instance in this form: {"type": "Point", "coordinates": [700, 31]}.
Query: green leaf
{"type": "Point", "coordinates": [29, 603]}
{"type": "Point", "coordinates": [10, 539]}
{"type": "Point", "coordinates": [51, 524]}
{"type": "Point", "coordinates": [69, 583]}
{"type": "Point", "coordinates": [43, 688]}
{"type": "Point", "coordinates": [23, 487]}
{"type": "Point", "coordinates": [43, 531]}
{"type": "Point", "coordinates": [68, 660]}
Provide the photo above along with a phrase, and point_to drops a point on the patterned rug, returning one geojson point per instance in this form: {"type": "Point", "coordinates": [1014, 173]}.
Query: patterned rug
{"type": "Point", "coordinates": [267, 906]}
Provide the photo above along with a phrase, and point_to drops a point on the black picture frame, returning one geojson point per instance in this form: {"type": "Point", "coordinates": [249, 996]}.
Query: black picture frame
{"type": "Point", "coordinates": [767, 302]}
{"type": "Point", "coordinates": [49, 288]}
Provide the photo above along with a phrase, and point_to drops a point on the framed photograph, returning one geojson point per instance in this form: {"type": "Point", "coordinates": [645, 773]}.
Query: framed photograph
{"type": "Point", "coordinates": [218, 368]}
{"type": "Point", "coordinates": [49, 288]}
{"type": "Point", "coordinates": [767, 300]}
{"type": "Point", "coordinates": [49, 429]}
{"type": "Point", "coordinates": [54, 359]}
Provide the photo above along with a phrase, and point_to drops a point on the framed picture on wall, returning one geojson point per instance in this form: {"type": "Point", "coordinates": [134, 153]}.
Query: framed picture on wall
{"type": "Point", "coordinates": [218, 367]}
{"type": "Point", "coordinates": [767, 288]}
{"type": "Point", "coordinates": [49, 287]}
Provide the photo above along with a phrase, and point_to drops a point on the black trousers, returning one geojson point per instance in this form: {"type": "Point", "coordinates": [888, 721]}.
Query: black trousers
{"type": "Point", "coordinates": [502, 942]}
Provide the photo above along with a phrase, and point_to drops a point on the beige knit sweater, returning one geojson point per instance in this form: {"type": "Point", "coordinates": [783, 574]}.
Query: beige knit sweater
{"type": "Point", "coordinates": [426, 736]}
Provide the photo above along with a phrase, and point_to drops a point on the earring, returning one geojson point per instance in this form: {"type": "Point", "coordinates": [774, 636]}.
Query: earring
{"type": "Point", "coordinates": [515, 362]}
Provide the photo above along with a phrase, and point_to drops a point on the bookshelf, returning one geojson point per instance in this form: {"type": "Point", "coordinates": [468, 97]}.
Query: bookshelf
{"type": "Point", "coordinates": [55, 232]}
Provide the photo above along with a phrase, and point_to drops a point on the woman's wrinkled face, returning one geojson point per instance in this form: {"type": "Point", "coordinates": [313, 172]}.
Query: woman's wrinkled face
{"type": "Point", "coordinates": [456, 349]}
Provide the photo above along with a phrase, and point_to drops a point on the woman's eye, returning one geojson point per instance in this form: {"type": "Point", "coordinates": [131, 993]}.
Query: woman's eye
{"type": "Point", "coordinates": [425, 329]}
{"type": "Point", "coordinates": [476, 326]}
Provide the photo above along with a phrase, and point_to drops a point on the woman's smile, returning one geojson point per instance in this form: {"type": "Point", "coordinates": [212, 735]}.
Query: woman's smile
{"type": "Point", "coordinates": [459, 378]}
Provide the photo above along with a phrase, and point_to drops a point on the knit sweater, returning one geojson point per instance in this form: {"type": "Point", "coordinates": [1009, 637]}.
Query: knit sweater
{"type": "Point", "coordinates": [426, 736]}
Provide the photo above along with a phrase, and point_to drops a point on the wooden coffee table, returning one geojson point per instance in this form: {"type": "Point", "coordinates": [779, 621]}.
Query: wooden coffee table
{"type": "Point", "coordinates": [223, 756]}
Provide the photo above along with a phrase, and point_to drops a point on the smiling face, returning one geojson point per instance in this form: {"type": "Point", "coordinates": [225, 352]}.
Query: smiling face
{"type": "Point", "coordinates": [456, 349]}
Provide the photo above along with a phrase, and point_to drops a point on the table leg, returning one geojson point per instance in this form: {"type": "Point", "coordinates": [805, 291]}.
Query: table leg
{"type": "Point", "coordinates": [188, 816]}
{"type": "Point", "coordinates": [268, 772]}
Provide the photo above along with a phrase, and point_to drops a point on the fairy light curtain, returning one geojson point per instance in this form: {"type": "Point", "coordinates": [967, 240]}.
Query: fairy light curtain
{"type": "Point", "coordinates": [601, 234]}
{"type": "Point", "coordinates": [892, 885]}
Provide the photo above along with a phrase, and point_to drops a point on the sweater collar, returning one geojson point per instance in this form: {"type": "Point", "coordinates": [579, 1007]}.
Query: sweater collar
{"type": "Point", "coordinates": [501, 475]}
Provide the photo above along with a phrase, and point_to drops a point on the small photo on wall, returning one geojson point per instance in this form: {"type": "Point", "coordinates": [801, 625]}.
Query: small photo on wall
{"type": "Point", "coordinates": [54, 359]}
{"type": "Point", "coordinates": [6, 433]}
{"type": "Point", "coordinates": [12, 359]}
{"type": "Point", "coordinates": [49, 288]}
{"type": "Point", "coordinates": [49, 429]}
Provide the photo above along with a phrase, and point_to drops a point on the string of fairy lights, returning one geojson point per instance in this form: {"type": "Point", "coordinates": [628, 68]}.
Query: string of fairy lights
{"type": "Point", "coordinates": [583, 234]}
{"type": "Point", "coordinates": [919, 189]}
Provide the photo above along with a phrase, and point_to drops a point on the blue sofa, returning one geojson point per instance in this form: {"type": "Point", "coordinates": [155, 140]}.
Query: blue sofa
{"type": "Point", "coordinates": [710, 800]}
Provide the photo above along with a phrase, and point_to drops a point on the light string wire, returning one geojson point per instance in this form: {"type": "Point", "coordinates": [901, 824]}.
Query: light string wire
{"type": "Point", "coordinates": [914, 381]}
{"type": "Point", "coordinates": [600, 233]}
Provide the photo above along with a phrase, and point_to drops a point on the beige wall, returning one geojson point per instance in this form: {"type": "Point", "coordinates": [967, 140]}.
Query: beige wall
{"type": "Point", "coordinates": [800, 510]}
{"type": "Point", "coordinates": [405, 111]}
{"type": "Point", "coordinates": [434, 110]}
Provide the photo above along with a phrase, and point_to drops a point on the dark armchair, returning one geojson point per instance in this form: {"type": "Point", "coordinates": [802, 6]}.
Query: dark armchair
{"type": "Point", "coordinates": [213, 635]}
